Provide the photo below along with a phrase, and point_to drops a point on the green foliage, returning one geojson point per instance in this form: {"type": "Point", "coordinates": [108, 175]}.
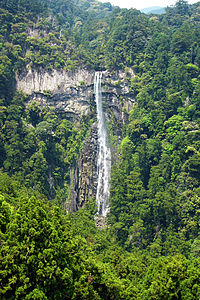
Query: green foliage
{"type": "Point", "coordinates": [38, 146]}
{"type": "Point", "coordinates": [159, 158]}
{"type": "Point", "coordinates": [150, 247]}
{"type": "Point", "coordinates": [40, 259]}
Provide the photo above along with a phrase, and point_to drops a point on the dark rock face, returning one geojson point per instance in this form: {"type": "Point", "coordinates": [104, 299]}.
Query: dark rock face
{"type": "Point", "coordinates": [71, 95]}
{"type": "Point", "coordinates": [84, 174]}
{"type": "Point", "coordinates": [70, 104]}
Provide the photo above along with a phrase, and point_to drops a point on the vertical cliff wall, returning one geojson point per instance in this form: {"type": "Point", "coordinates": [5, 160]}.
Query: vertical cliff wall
{"type": "Point", "coordinates": [71, 95]}
{"type": "Point", "coordinates": [84, 174]}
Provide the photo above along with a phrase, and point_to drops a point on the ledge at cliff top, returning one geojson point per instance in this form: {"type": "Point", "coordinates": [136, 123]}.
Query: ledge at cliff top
{"type": "Point", "coordinates": [54, 81]}
{"type": "Point", "coordinates": [71, 93]}
{"type": "Point", "coordinates": [57, 81]}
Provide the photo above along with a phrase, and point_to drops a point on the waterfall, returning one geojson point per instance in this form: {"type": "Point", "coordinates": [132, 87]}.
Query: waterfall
{"type": "Point", "coordinates": [104, 154]}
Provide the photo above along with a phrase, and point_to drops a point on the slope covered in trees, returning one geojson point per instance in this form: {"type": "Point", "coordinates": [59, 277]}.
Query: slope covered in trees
{"type": "Point", "coordinates": [151, 246]}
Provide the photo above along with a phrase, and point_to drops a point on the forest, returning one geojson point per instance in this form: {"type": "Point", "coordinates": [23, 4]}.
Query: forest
{"type": "Point", "coordinates": [150, 247]}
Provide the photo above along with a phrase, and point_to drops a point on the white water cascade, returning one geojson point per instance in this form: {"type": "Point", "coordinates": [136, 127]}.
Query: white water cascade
{"type": "Point", "coordinates": [104, 153]}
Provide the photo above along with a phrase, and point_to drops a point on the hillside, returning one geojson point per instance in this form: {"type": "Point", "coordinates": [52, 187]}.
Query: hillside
{"type": "Point", "coordinates": [147, 246]}
{"type": "Point", "coordinates": [153, 10]}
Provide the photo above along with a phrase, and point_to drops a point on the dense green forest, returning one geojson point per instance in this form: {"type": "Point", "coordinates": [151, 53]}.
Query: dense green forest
{"type": "Point", "coordinates": [150, 248]}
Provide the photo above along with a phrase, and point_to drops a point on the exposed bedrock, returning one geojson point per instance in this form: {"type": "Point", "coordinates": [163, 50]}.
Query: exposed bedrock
{"type": "Point", "coordinates": [71, 95]}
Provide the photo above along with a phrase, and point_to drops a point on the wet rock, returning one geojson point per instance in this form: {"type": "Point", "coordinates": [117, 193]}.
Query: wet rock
{"type": "Point", "coordinates": [84, 175]}
{"type": "Point", "coordinates": [100, 222]}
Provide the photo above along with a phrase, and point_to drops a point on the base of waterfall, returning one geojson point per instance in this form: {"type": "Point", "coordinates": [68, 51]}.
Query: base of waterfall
{"type": "Point", "coordinates": [100, 221]}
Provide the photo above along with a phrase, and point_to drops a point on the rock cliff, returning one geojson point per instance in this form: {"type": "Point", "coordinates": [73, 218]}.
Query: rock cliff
{"type": "Point", "coordinates": [54, 81]}
{"type": "Point", "coordinates": [84, 174]}
{"type": "Point", "coordinates": [71, 94]}
{"type": "Point", "coordinates": [67, 92]}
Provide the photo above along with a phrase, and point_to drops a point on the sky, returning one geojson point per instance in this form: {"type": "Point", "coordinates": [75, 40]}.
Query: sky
{"type": "Point", "coordinates": [138, 4]}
